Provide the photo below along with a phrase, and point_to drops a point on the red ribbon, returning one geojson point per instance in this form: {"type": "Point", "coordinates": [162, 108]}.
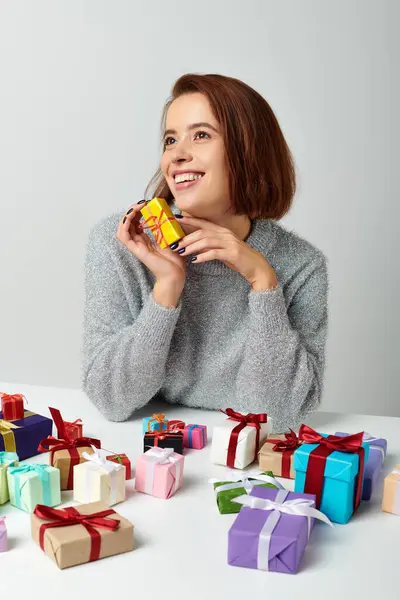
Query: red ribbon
{"type": "Point", "coordinates": [70, 516]}
{"type": "Point", "coordinates": [162, 435]}
{"type": "Point", "coordinates": [351, 444]}
{"type": "Point", "coordinates": [14, 402]}
{"type": "Point", "coordinates": [52, 444]}
{"type": "Point", "coordinates": [287, 447]}
{"type": "Point", "coordinates": [156, 228]}
{"type": "Point", "coordinates": [175, 425]}
{"type": "Point", "coordinates": [249, 420]}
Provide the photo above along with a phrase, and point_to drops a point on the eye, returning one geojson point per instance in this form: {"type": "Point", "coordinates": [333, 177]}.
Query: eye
{"type": "Point", "coordinates": [202, 135]}
{"type": "Point", "coordinates": [168, 141]}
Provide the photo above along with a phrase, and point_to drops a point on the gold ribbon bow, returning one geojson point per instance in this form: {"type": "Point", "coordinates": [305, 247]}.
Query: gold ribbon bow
{"type": "Point", "coordinates": [6, 431]}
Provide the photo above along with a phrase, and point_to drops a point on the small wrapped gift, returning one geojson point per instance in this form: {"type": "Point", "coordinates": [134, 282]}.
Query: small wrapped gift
{"type": "Point", "coordinates": [65, 454]}
{"type": "Point", "coordinates": [272, 529]}
{"type": "Point", "coordinates": [31, 484]}
{"type": "Point", "coordinates": [156, 422]}
{"type": "Point", "coordinates": [227, 491]}
{"type": "Point", "coordinates": [99, 479]}
{"type": "Point", "coordinates": [23, 435]}
{"type": "Point", "coordinates": [122, 459]}
{"type": "Point", "coordinates": [66, 430]}
{"type": "Point", "coordinates": [77, 535]}
{"type": "Point", "coordinates": [7, 459]}
{"type": "Point", "coordinates": [12, 406]}
{"type": "Point", "coordinates": [161, 221]}
{"type": "Point", "coordinates": [195, 436]}
{"type": "Point", "coordinates": [332, 468]}
{"type": "Point", "coordinates": [3, 535]}
{"type": "Point", "coordinates": [237, 440]}
{"type": "Point", "coordinates": [373, 466]}
{"type": "Point", "coordinates": [159, 472]}
{"type": "Point", "coordinates": [391, 492]}
{"type": "Point", "coordinates": [276, 454]}
{"type": "Point", "coordinates": [164, 439]}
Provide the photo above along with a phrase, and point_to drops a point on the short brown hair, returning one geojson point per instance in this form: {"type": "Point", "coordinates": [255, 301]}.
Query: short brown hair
{"type": "Point", "coordinates": [261, 171]}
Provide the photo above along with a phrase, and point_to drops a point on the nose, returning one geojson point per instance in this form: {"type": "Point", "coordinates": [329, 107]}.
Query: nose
{"type": "Point", "coordinates": [181, 152]}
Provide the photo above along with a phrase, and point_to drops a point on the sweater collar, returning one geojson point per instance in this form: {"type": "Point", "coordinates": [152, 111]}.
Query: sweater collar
{"type": "Point", "coordinates": [261, 238]}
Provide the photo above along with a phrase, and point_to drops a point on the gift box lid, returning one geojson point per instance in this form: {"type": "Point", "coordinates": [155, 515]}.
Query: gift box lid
{"type": "Point", "coordinates": [339, 465]}
{"type": "Point", "coordinates": [252, 520]}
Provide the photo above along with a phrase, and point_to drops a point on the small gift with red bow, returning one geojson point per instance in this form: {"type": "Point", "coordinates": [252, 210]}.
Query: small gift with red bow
{"type": "Point", "coordinates": [172, 438]}
{"type": "Point", "coordinates": [237, 440]}
{"type": "Point", "coordinates": [81, 534]}
{"type": "Point", "coordinates": [277, 453]}
{"type": "Point", "coordinates": [66, 430]}
{"type": "Point", "coordinates": [66, 454]}
{"type": "Point", "coordinates": [12, 406]}
{"type": "Point", "coordinates": [331, 467]}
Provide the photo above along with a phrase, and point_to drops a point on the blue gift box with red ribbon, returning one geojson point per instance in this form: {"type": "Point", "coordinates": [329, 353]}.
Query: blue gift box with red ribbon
{"type": "Point", "coordinates": [333, 469]}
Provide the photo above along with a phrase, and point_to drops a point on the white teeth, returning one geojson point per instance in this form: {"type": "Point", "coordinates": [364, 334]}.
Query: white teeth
{"type": "Point", "coordinates": [187, 177]}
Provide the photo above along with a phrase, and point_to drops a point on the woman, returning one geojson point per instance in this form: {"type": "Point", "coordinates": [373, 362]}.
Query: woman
{"type": "Point", "coordinates": [235, 314]}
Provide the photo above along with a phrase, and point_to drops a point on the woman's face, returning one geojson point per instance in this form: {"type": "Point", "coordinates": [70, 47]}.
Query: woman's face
{"type": "Point", "coordinates": [193, 161]}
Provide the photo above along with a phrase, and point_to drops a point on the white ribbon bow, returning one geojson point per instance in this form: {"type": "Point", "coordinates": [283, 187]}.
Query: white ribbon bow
{"type": "Point", "coordinates": [299, 506]}
{"type": "Point", "coordinates": [367, 437]}
{"type": "Point", "coordinates": [243, 481]}
{"type": "Point", "coordinates": [161, 456]}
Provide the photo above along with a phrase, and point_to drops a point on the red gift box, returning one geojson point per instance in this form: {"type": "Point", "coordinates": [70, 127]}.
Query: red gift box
{"type": "Point", "coordinates": [12, 406]}
{"type": "Point", "coordinates": [66, 430]}
{"type": "Point", "coordinates": [122, 459]}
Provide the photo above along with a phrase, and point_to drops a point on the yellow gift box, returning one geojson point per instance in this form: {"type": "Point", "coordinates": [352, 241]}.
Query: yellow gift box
{"type": "Point", "coordinates": [391, 492]}
{"type": "Point", "coordinates": [160, 219]}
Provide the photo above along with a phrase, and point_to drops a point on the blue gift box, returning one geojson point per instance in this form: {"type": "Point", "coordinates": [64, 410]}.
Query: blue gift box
{"type": "Point", "coordinates": [27, 433]}
{"type": "Point", "coordinates": [154, 425]}
{"type": "Point", "coordinates": [339, 486]}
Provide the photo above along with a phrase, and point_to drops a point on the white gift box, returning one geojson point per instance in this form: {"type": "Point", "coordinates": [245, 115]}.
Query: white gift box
{"type": "Point", "coordinates": [246, 451]}
{"type": "Point", "coordinates": [99, 479]}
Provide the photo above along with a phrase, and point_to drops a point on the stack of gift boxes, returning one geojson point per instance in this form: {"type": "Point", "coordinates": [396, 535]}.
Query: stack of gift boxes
{"type": "Point", "coordinates": [332, 475]}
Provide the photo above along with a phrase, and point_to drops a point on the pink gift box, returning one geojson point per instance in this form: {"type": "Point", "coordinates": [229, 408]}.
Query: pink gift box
{"type": "Point", "coordinates": [3, 535]}
{"type": "Point", "coordinates": [195, 436]}
{"type": "Point", "coordinates": [159, 472]}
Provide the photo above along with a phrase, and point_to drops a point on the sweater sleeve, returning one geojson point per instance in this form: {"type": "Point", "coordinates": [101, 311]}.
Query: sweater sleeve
{"type": "Point", "coordinates": [124, 350]}
{"type": "Point", "coordinates": [284, 354]}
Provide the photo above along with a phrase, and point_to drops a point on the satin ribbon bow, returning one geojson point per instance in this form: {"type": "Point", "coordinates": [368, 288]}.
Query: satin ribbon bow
{"type": "Point", "coordinates": [52, 444]}
{"type": "Point", "coordinates": [291, 442]}
{"type": "Point", "coordinates": [61, 425]}
{"type": "Point", "coordinates": [26, 468]}
{"type": "Point", "coordinates": [6, 432]}
{"type": "Point", "coordinates": [70, 516]}
{"type": "Point", "coordinates": [156, 227]}
{"type": "Point", "coordinates": [161, 456]}
{"type": "Point", "coordinates": [11, 397]}
{"type": "Point", "coordinates": [158, 418]}
{"type": "Point", "coordinates": [249, 420]}
{"type": "Point", "coordinates": [118, 457]}
{"type": "Point", "coordinates": [100, 461]}
{"type": "Point", "coordinates": [247, 480]}
{"type": "Point", "coordinates": [175, 425]}
{"type": "Point", "coordinates": [317, 459]}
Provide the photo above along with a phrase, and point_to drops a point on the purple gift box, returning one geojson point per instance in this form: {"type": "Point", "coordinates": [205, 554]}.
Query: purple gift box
{"type": "Point", "coordinates": [270, 540]}
{"type": "Point", "coordinates": [3, 535]}
{"type": "Point", "coordinates": [377, 453]}
{"type": "Point", "coordinates": [28, 433]}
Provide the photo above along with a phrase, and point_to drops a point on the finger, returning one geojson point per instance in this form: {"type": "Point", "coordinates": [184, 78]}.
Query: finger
{"type": "Point", "coordinates": [202, 246]}
{"type": "Point", "coordinates": [127, 227]}
{"type": "Point", "coordinates": [214, 254]}
{"type": "Point", "coordinates": [198, 235]}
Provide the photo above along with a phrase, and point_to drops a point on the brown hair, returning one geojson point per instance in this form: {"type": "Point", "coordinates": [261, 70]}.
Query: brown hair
{"type": "Point", "coordinates": [261, 170]}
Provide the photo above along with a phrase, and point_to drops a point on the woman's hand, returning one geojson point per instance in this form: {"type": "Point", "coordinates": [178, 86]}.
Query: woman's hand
{"type": "Point", "coordinates": [211, 242]}
{"type": "Point", "coordinates": [165, 264]}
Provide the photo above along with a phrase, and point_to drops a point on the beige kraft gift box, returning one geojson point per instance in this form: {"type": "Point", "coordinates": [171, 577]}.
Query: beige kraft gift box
{"type": "Point", "coordinates": [246, 446]}
{"type": "Point", "coordinates": [391, 492]}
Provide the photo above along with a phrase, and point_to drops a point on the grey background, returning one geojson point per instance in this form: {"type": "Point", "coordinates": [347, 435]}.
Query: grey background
{"type": "Point", "coordinates": [82, 87]}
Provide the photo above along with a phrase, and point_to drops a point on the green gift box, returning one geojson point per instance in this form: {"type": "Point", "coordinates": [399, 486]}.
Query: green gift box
{"type": "Point", "coordinates": [7, 459]}
{"type": "Point", "coordinates": [32, 484]}
{"type": "Point", "coordinates": [226, 491]}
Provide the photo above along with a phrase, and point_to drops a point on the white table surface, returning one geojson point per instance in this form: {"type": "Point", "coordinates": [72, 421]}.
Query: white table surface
{"type": "Point", "coordinates": [181, 543]}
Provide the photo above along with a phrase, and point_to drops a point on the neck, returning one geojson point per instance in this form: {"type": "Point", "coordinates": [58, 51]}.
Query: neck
{"type": "Point", "coordinates": [240, 225]}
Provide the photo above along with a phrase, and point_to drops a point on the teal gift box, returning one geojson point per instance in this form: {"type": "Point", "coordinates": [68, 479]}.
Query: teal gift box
{"type": "Point", "coordinates": [7, 459]}
{"type": "Point", "coordinates": [31, 484]}
{"type": "Point", "coordinates": [157, 422]}
{"type": "Point", "coordinates": [340, 485]}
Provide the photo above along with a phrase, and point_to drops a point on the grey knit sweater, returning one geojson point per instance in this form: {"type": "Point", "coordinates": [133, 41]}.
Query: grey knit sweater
{"type": "Point", "coordinates": [223, 346]}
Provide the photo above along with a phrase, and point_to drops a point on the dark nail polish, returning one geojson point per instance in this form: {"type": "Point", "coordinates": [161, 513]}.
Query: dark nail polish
{"type": "Point", "coordinates": [142, 201]}
{"type": "Point", "coordinates": [178, 216]}
{"type": "Point", "coordinates": [123, 222]}
{"type": "Point", "coordinates": [181, 251]}
{"type": "Point", "coordinates": [193, 258]}
{"type": "Point", "coordinates": [129, 211]}
{"type": "Point", "coordinates": [174, 246]}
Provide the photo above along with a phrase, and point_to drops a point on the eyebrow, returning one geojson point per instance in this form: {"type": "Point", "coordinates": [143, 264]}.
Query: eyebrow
{"type": "Point", "coordinates": [193, 126]}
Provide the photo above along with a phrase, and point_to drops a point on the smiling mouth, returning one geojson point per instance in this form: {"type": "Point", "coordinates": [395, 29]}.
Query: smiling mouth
{"type": "Point", "coordinates": [186, 180]}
